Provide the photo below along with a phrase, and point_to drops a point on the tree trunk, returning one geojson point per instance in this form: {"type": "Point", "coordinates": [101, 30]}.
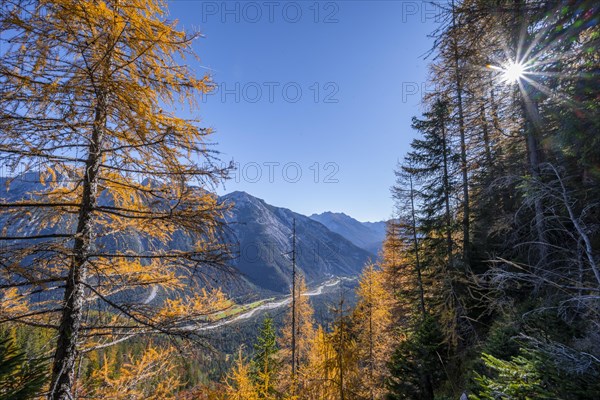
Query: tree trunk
{"type": "Point", "coordinates": [446, 179]}
{"type": "Point", "coordinates": [416, 249]}
{"type": "Point", "coordinates": [540, 223]}
{"type": "Point", "coordinates": [63, 370]}
{"type": "Point", "coordinates": [534, 166]}
{"type": "Point", "coordinates": [463, 147]}
{"type": "Point", "coordinates": [486, 138]}
{"type": "Point", "coordinates": [532, 118]}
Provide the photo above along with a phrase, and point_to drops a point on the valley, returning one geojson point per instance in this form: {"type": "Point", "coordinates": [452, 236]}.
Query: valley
{"type": "Point", "coordinates": [256, 309]}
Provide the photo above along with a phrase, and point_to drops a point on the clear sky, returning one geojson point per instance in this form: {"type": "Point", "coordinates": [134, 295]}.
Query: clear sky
{"type": "Point", "coordinates": [315, 98]}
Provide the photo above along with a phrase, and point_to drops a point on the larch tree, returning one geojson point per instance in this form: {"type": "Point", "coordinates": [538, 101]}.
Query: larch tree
{"type": "Point", "coordinates": [87, 109]}
{"type": "Point", "coordinates": [406, 193]}
{"type": "Point", "coordinates": [152, 375]}
{"type": "Point", "coordinates": [332, 368]}
{"type": "Point", "coordinates": [373, 326]}
{"type": "Point", "coordinates": [304, 334]}
{"type": "Point", "coordinates": [393, 261]}
{"type": "Point", "coordinates": [343, 339]}
{"type": "Point", "coordinates": [239, 385]}
{"type": "Point", "coordinates": [319, 372]}
{"type": "Point", "coordinates": [391, 249]}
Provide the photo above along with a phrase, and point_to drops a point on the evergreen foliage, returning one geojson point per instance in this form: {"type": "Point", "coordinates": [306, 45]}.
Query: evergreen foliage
{"type": "Point", "coordinates": [20, 377]}
{"type": "Point", "coordinates": [418, 365]}
{"type": "Point", "coordinates": [265, 365]}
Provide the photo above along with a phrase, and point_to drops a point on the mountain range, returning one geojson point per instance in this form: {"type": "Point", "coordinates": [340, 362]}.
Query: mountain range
{"type": "Point", "coordinates": [327, 245]}
{"type": "Point", "coordinates": [366, 235]}
{"type": "Point", "coordinates": [264, 236]}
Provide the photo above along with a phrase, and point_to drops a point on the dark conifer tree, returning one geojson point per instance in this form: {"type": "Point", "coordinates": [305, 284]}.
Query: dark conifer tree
{"type": "Point", "coordinates": [264, 362]}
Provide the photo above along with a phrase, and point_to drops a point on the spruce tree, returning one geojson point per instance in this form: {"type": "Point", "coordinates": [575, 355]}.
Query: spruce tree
{"type": "Point", "coordinates": [264, 363]}
{"type": "Point", "coordinates": [20, 377]}
{"type": "Point", "coordinates": [417, 367]}
{"type": "Point", "coordinates": [433, 164]}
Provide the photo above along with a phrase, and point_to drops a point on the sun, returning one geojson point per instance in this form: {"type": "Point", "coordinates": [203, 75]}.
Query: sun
{"type": "Point", "coordinates": [513, 72]}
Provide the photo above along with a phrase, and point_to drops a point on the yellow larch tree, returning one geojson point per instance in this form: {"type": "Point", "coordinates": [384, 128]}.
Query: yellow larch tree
{"type": "Point", "coordinates": [239, 382]}
{"type": "Point", "coordinates": [372, 322]}
{"type": "Point", "coordinates": [151, 376]}
{"type": "Point", "coordinates": [331, 370]}
{"type": "Point", "coordinates": [319, 373]}
{"type": "Point", "coordinates": [402, 276]}
{"type": "Point", "coordinates": [392, 254]}
{"type": "Point", "coordinates": [117, 207]}
{"type": "Point", "coordinates": [304, 332]}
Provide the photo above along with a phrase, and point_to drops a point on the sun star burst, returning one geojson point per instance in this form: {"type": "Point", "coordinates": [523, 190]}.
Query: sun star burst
{"type": "Point", "coordinates": [513, 72]}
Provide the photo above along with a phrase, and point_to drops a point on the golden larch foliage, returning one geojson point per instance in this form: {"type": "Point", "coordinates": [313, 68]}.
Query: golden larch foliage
{"type": "Point", "coordinates": [373, 324]}
{"type": "Point", "coordinates": [304, 334]}
{"type": "Point", "coordinates": [239, 383]}
{"type": "Point", "coordinates": [150, 376]}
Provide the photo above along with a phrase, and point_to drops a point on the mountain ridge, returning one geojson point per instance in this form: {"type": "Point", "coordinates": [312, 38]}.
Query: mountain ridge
{"type": "Point", "coordinates": [366, 235]}
{"type": "Point", "coordinates": [264, 253]}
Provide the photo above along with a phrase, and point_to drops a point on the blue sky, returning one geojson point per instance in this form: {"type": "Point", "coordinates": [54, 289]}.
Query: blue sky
{"type": "Point", "coordinates": [315, 98]}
